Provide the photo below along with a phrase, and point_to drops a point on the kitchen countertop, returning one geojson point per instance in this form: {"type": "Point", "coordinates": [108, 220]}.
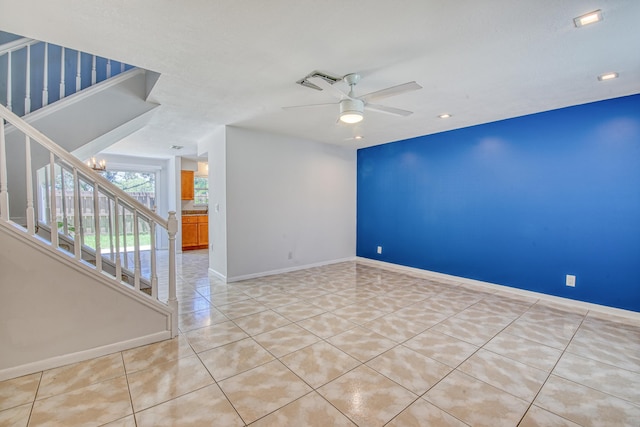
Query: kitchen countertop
{"type": "Point", "coordinates": [194, 212]}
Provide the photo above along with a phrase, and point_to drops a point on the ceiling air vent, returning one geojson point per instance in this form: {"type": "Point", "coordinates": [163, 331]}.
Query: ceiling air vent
{"type": "Point", "coordinates": [324, 76]}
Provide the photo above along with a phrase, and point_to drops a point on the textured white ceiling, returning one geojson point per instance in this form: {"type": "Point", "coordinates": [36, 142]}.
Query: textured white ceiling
{"type": "Point", "coordinates": [235, 62]}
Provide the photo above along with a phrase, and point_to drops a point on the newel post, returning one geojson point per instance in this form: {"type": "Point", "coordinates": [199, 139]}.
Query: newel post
{"type": "Point", "coordinates": [172, 229]}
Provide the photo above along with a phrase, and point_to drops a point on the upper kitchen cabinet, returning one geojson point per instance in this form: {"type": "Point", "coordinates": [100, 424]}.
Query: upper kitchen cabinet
{"type": "Point", "coordinates": [186, 178]}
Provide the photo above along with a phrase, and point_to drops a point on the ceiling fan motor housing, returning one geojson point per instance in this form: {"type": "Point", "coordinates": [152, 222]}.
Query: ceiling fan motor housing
{"type": "Point", "coordinates": [351, 106]}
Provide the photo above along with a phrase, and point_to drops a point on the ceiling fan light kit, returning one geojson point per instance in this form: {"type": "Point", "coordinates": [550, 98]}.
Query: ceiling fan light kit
{"type": "Point", "coordinates": [351, 111]}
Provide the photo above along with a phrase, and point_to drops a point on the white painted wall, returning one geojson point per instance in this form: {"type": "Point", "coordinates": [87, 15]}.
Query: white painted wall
{"type": "Point", "coordinates": [173, 186]}
{"type": "Point", "coordinates": [52, 314]}
{"type": "Point", "coordinates": [290, 203]}
{"type": "Point", "coordinates": [188, 165]}
{"type": "Point", "coordinates": [174, 168]}
{"type": "Point", "coordinates": [217, 154]}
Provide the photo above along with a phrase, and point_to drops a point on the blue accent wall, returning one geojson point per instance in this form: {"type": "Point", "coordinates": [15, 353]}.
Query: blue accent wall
{"type": "Point", "coordinates": [520, 202]}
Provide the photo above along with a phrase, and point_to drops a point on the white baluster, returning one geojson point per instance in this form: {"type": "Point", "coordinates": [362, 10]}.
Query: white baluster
{"type": "Point", "coordinates": [96, 224]}
{"type": "Point", "coordinates": [27, 95]}
{"type": "Point", "coordinates": [110, 229]}
{"type": "Point", "coordinates": [80, 215]}
{"type": "Point", "coordinates": [153, 273]}
{"type": "Point", "coordinates": [4, 194]}
{"type": "Point", "coordinates": [108, 68]}
{"type": "Point", "coordinates": [45, 88]}
{"type": "Point", "coordinates": [136, 250]}
{"type": "Point", "coordinates": [52, 198]}
{"type": "Point", "coordinates": [94, 72]}
{"type": "Point", "coordinates": [118, 262]}
{"type": "Point", "coordinates": [77, 239]}
{"type": "Point", "coordinates": [9, 88]}
{"type": "Point", "coordinates": [62, 67]}
{"type": "Point", "coordinates": [122, 67]}
{"type": "Point", "coordinates": [65, 226]}
{"type": "Point", "coordinates": [31, 226]}
{"type": "Point", "coordinates": [172, 229]}
{"type": "Point", "coordinates": [124, 237]}
{"type": "Point", "coordinates": [40, 196]}
{"type": "Point", "coordinates": [46, 214]}
{"type": "Point", "coordinates": [79, 73]}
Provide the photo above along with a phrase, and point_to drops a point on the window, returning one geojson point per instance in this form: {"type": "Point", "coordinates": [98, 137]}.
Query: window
{"type": "Point", "coordinates": [142, 187]}
{"type": "Point", "coordinates": [139, 185]}
{"type": "Point", "coordinates": [201, 191]}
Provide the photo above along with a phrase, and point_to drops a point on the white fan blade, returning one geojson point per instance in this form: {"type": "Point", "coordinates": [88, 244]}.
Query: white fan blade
{"type": "Point", "coordinates": [309, 105]}
{"type": "Point", "coordinates": [388, 110]}
{"type": "Point", "coordinates": [329, 88]}
{"type": "Point", "coordinates": [390, 91]}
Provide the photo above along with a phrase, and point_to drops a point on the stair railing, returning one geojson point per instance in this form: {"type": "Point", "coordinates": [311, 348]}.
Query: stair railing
{"type": "Point", "coordinates": [65, 170]}
{"type": "Point", "coordinates": [42, 62]}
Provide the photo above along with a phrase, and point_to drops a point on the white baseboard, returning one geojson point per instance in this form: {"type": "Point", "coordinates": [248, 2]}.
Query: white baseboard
{"type": "Point", "coordinates": [66, 359]}
{"type": "Point", "coordinates": [287, 270]}
{"type": "Point", "coordinates": [218, 274]}
{"type": "Point", "coordinates": [494, 287]}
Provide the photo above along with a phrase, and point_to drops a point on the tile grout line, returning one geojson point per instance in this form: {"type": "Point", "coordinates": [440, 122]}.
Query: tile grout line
{"type": "Point", "coordinates": [35, 396]}
{"type": "Point", "coordinates": [551, 373]}
{"type": "Point", "coordinates": [397, 344]}
{"type": "Point", "coordinates": [597, 361]}
{"type": "Point", "coordinates": [217, 385]}
{"type": "Point", "coordinates": [126, 376]}
{"type": "Point", "coordinates": [471, 355]}
{"type": "Point", "coordinates": [313, 389]}
{"type": "Point", "coordinates": [421, 396]}
{"type": "Point", "coordinates": [169, 361]}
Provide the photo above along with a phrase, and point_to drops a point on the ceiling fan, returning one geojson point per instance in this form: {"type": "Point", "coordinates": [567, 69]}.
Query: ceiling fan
{"type": "Point", "coordinates": [351, 106]}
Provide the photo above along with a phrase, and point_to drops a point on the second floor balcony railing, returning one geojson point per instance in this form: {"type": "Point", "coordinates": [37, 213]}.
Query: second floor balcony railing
{"type": "Point", "coordinates": [34, 74]}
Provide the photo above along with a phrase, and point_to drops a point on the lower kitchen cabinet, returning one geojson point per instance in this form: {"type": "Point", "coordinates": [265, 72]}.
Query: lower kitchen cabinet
{"type": "Point", "coordinates": [195, 232]}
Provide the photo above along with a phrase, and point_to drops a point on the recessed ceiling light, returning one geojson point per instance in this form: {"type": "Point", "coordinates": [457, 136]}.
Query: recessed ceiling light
{"type": "Point", "coordinates": [588, 18]}
{"type": "Point", "coordinates": [177, 147]}
{"type": "Point", "coordinates": [444, 116]}
{"type": "Point", "coordinates": [607, 76]}
{"type": "Point", "coordinates": [358, 137]}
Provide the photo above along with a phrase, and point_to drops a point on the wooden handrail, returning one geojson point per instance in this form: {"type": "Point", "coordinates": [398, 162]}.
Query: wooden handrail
{"type": "Point", "coordinates": [17, 45]}
{"type": "Point", "coordinates": [73, 161]}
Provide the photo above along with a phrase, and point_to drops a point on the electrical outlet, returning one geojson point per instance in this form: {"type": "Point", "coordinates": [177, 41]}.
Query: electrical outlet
{"type": "Point", "coordinates": [379, 249]}
{"type": "Point", "coordinates": [571, 280]}
{"type": "Point", "coordinates": [290, 256]}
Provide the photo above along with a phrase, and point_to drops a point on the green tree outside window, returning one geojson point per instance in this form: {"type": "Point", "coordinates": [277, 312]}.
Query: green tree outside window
{"type": "Point", "coordinates": [201, 190]}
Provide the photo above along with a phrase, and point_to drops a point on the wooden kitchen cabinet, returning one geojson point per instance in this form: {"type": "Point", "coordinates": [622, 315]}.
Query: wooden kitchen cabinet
{"type": "Point", "coordinates": [203, 232]}
{"type": "Point", "coordinates": [195, 232]}
{"type": "Point", "coordinates": [186, 185]}
{"type": "Point", "coordinates": [189, 232]}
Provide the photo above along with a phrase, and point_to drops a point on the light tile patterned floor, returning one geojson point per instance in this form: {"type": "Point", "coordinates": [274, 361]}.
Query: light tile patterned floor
{"type": "Point", "coordinates": [346, 345]}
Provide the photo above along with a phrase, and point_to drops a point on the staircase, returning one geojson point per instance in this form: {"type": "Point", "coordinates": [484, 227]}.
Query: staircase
{"type": "Point", "coordinates": [76, 282]}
